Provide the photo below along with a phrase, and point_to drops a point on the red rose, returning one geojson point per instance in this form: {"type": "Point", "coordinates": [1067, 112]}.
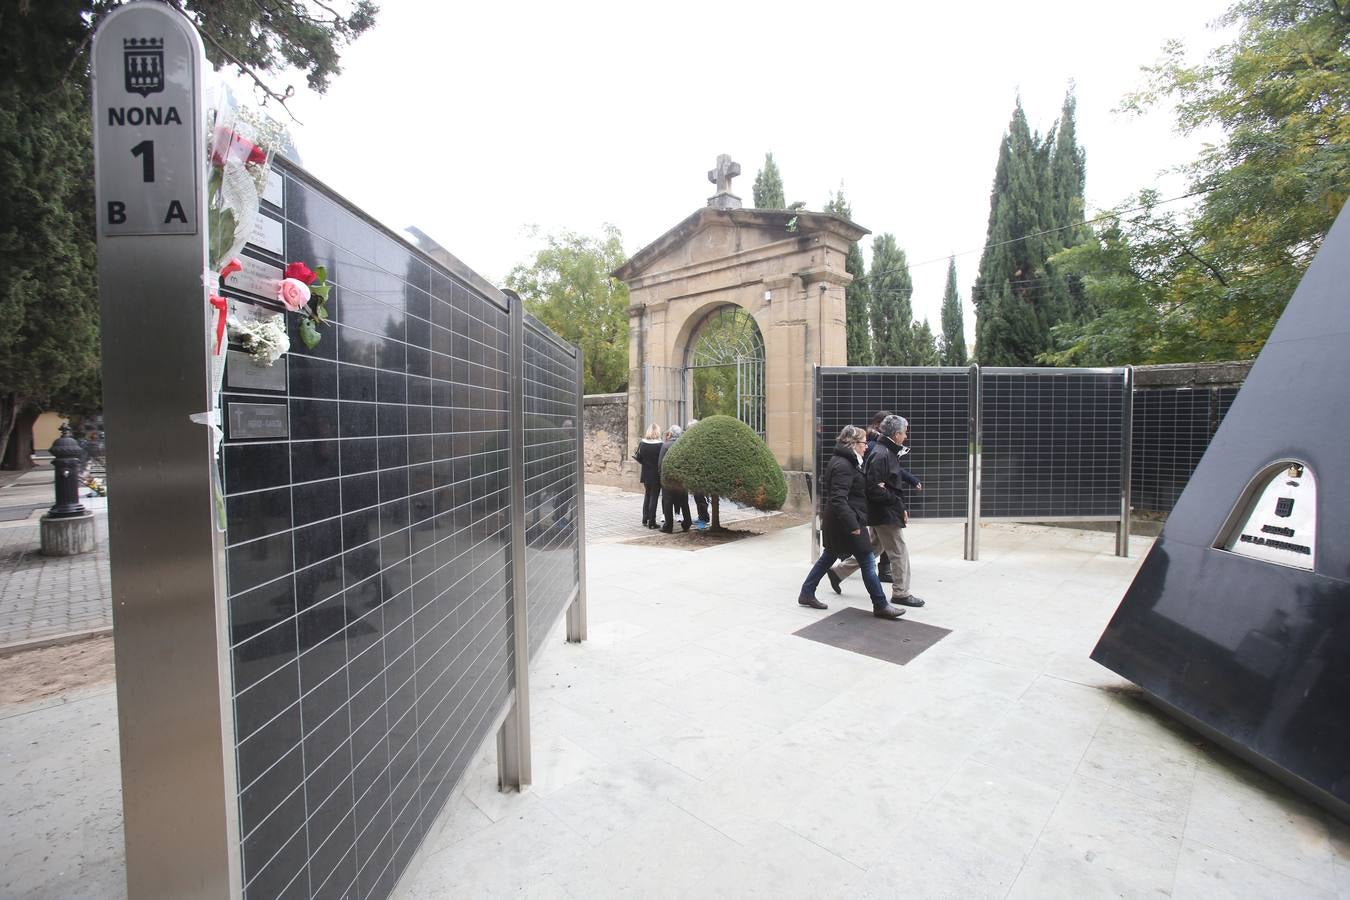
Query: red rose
{"type": "Point", "coordinates": [300, 272]}
{"type": "Point", "coordinates": [257, 155]}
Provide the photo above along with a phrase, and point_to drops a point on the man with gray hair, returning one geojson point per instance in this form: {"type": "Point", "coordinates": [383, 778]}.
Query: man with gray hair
{"type": "Point", "coordinates": [672, 501]}
{"type": "Point", "coordinates": [887, 512]}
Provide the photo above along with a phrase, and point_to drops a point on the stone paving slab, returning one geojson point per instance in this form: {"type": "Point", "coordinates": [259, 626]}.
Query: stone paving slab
{"type": "Point", "coordinates": [41, 596]}
{"type": "Point", "coordinates": [694, 747]}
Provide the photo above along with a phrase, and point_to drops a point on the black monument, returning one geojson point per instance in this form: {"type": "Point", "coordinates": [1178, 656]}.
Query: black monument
{"type": "Point", "coordinates": [1238, 621]}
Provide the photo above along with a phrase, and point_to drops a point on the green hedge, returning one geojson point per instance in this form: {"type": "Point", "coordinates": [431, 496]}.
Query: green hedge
{"type": "Point", "coordinates": [722, 457]}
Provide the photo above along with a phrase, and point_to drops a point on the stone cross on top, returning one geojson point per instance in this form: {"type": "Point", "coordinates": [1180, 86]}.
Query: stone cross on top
{"type": "Point", "coordinates": [721, 176]}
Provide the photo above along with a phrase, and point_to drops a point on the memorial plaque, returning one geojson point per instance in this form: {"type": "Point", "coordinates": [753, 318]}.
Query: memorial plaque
{"type": "Point", "coordinates": [257, 278]}
{"type": "Point", "coordinates": [272, 191]}
{"type": "Point", "coordinates": [258, 420]}
{"type": "Point", "coordinates": [147, 131]}
{"type": "Point", "coordinates": [242, 372]}
{"type": "Point", "coordinates": [1278, 522]}
{"type": "Point", "coordinates": [268, 234]}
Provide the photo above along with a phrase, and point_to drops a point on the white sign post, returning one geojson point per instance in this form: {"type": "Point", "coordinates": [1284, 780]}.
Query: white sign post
{"type": "Point", "coordinates": [175, 717]}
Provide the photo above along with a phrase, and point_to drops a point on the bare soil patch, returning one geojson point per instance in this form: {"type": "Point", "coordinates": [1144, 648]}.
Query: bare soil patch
{"type": "Point", "coordinates": [701, 540]}
{"type": "Point", "coordinates": [39, 674]}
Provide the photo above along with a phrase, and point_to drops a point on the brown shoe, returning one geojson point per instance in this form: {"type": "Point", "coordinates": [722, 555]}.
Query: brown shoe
{"type": "Point", "coordinates": [911, 600]}
{"type": "Point", "coordinates": [808, 600]}
{"type": "Point", "coordinates": [888, 612]}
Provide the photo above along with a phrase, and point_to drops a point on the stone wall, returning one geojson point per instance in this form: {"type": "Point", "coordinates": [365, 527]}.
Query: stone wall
{"type": "Point", "coordinates": [606, 423]}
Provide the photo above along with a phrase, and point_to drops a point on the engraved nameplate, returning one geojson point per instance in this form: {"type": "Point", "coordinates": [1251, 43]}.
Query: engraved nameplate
{"type": "Point", "coordinates": [272, 192]}
{"type": "Point", "coordinates": [259, 420]}
{"type": "Point", "coordinates": [1280, 524]}
{"type": "Point", "coordinates": [242, 372]}
{"type": "Point", "coordinates": [256, 278]}
{"type": "Point", "coordinates": [268, 234]}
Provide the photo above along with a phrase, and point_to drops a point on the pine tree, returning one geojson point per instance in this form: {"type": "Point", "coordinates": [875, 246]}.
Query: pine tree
{"type": "Point", "coordinates": [1035, 205]}
{"type": "Point", "coordinates": [953, 322]}
{"type": "Point", "coordinates": [857, 296]}
{"type": "Point", "coordinates": [892, 312]}
{"type": "Point", "coordinates": [769, 186]}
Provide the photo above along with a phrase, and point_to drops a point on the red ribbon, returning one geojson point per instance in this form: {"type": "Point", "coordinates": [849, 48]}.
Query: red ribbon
{"type": "Point", "coordinates": [222, 308]}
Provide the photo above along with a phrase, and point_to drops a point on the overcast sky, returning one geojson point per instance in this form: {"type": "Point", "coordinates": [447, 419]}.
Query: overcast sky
{"type": "Point", "coordinates": [476, 121]}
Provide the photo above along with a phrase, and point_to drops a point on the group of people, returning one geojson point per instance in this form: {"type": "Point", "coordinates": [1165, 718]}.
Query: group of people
{"type": "Point", "coordinates": [651, 455]}
{"type": "Point", "coordinates": [864, 514]}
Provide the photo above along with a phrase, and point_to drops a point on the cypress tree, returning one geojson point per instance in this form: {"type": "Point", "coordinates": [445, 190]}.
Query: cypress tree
{"type": "Point", "coordinates": [926, 352]}
{"type": "Point", "coordinates": [892, 312]}
{"type": "Point", "coordinates": [769, 186]}
{"type": "Point", "coordinates": [953, 322]}
{"type": "Point", "coordinates": [857, 296]}
{"type": "Point", "coordinates": [1036, 199]}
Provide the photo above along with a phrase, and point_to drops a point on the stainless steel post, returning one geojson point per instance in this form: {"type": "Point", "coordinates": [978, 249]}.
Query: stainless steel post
{"type": "Point", "coordinates": [175, 716]}
{"type": "Point", "coordinates": [1126, 459]}
{"type": "Point", "coordinates": [513, 739]}
{"type": "Point", "coordinates": [576, 611]}
{"type": "Point", "coordinates": [975, 425]}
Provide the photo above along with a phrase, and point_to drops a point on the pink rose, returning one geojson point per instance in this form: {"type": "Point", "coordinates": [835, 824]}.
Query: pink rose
{"type": "Point", "coordinates": [293, 293]}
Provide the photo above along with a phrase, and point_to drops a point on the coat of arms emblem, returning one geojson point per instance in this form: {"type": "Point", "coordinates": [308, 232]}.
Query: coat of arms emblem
{"type": "Point", "coordinates": [143, 59]}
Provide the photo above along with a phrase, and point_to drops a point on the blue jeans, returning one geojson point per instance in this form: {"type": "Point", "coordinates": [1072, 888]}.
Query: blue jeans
{"type": "Point", "coordinates": [862, 551]}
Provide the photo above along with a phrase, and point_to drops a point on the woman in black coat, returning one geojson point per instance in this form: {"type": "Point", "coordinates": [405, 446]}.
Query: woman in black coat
{"type": "Point", "coordinates": [843, 524]}
{"type": "Point", "coordinates": [648, 456]}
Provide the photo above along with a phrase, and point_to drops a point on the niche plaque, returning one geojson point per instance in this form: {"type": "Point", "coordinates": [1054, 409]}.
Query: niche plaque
{"type": "Point", "coordinates": [250, 421]}
{"type": "Point", "coordinates": [1277, 520]}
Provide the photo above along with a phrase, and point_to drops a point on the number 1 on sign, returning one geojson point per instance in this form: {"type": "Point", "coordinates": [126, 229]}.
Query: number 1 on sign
{"type": "Point", "coordinates": [146, 151]}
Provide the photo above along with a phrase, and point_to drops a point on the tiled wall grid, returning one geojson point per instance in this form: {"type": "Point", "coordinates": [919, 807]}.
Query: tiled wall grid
{"type": "Point", "coordinates": [1050, 442]}
{"type": "Point", "coordinates": [937, 406]}
{"type": "Point", "coordinates": [368, 558]}
{"type": "Point", "coordinates": [1172, 426]}
{"type": "Point", "coordinates": [550, 443]}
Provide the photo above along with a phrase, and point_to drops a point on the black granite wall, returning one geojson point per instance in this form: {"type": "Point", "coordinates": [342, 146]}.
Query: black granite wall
{"type": "Point", "coordinates": [369, 552]}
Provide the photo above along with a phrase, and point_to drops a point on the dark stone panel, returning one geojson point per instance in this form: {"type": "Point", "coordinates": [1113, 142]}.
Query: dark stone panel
{"type": "Point", "coordinates": [360, 528]}
{"type": "Point", "coordinates": [266, 870]}
{"type": "Point", "coordinates": [253, 467]}
{"type": "Point", "coordinates": [313, 419]}
{"type": "Point", "coordinates": [357, 382]}
{"type": "Point", "coordinates": [257, 610]}
{"type": "Point", "coordinates": [358, 419]}
{"type": "Point", "coordinates": [268, 744]}
{"type": "Point", "coordinates": [328, 758]}
{"type": "Point", "coordinates": [268, 697]}
{"type": "Point", "coordinates": [393, 452]}
{"type": "Point", "coordinates": [360, 491]}
{"type": "Point", "coordinates": [393, 484]}
{"type": "Point", "coordinates": [318, 582]}
{"type": "Point", "coordinates": [249, 565]}
{"type": "Point", "coordinates": [312, 377]}
{"type": "Point", "coordinates": [323, 650]}
{"type": "Point", "coordinates": [391, 387]}
{"type": "Point", "coordinates": [333, 867]}
{"type": "Point", "coordinates": [359, 454]}
{"type": "Point", "coordinates": [392, 419]}
{"type": "Point", "coordinates": [325, 349]}
{"type": "Point", "coordinates": [419, 389]}
{"type": "Point", "coordinates": [314, 460]}
{"type": "Point", "coordinates": [315, 543]}
{"type": "Point", "coordinates": [361, 563]}
{"type": "Point", "coordinates": [269, 797]}
{"type": "Point", "coordinates": [393, 516]}
{"type": "Point", "coordinates": [255, 515]}
{"type": "Point", "coordinates": [264, 653]}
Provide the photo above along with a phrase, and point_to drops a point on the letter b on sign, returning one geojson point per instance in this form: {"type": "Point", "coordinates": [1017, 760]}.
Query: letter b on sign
{"type": "Point", "coordinates": [117, 212]}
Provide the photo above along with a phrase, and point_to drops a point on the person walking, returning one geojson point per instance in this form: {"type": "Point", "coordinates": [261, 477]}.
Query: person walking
{"type": "Point", "coordinates": [844, 523]}
{"type": "Point", "coordinates": [874, 435]}
{"type": "Point", "coordinates": [648, 456]}
{"type": "Point", "coordinates": [887, 513]}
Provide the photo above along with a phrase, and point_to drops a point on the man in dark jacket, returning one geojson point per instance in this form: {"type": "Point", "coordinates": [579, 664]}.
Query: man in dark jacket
{"type": "Point", "coordinates": [887, 512]}
{"type": "Point", "coordinates": [672, 501]}
{"type": "Point", "coordinates": [844, 524]}
{"type": "Point", "coordinates": [874, 435]}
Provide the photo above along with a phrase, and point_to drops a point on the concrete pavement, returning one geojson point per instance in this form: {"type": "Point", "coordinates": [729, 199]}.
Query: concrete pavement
{"type": "Point", "coordinates": [694, 746]}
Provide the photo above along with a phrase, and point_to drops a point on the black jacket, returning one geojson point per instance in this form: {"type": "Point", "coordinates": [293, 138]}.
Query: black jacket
{"type": "Point", "coordinates": [649, 458]}
{"type": "Point", "coordinates": [844, 508]}
{"type": "Point", "coordinates": [881, 467]}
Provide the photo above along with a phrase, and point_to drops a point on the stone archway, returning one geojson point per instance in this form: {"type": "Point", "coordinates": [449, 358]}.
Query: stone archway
{"type": "Point", "coordinates": [784, 269]}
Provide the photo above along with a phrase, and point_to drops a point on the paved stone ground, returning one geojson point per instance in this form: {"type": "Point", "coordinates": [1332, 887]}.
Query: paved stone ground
{"type": "Point", "coordinates": [694, 746]}
{"type": "Point", "coordinates": [40, 596]}
{"type": "Point", "coordinates": [613, 514]}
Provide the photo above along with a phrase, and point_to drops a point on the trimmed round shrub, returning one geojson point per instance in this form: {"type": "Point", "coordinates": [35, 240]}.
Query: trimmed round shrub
{"type": "Point", "coordinates": [722, 457]}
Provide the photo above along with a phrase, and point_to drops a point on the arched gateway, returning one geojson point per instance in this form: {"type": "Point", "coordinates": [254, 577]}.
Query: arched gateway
{"type": "Point", "coordinates": [729, 311]}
